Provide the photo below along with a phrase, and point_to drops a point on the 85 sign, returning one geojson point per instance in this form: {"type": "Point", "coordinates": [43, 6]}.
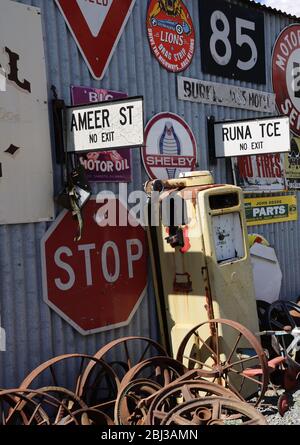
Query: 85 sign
{"type": "Point", "coordinates": [232, 41]}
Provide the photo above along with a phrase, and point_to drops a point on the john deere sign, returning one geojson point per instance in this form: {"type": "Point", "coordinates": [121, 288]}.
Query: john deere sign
{"type": "Point", "coordinates": [271, 210]}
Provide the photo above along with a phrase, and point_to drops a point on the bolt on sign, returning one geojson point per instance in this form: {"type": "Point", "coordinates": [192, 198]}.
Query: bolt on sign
{"type": "Point", "coordinates": [259, 173]}
{"type": "Point", "coordinates": [105, 126]}
{"type": "Point", "coordinates": [170, 147]}
{"type": "Point", "coordinates": [286, 75]}
{"type": "Point", "coordinates": [267, 210]}
{"type": "Point", "coordinates": [96, 26]}
{"type": "Point", "coordinates": [105, 166]}
{"type": "Point", "coordinates": [98, 283]}
{"type": "Point", "coordinates": [292, 165]}
{"type": "Point", "coordinates": [171, 34]}
{"type": "Point", "coordinates": [252, 137]}
{"type": "Point", "coordinates": [26, 178]}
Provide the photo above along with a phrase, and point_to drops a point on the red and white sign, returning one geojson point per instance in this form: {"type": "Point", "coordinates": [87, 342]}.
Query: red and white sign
{"type": "Point", "coordinates": [98, 283]}
{"type": "Point", "coordinates": [170, 147]}
{"type": "Point", "coordinates": [171, 34]}
{"type": "Point", "coordinates": [286, 75]}
{"type": "Point", "coordinates": [96, 26]}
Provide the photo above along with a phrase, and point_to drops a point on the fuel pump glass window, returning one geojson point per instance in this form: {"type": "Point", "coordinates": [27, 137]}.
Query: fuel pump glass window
{"type": "Point", "coordinates": [223, 201]}
{"type": "Point", "coordinates": [228, 237]}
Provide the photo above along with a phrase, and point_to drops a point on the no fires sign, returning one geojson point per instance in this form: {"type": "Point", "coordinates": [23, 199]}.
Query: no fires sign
{"type": "Point", "coordinates": [95, 284]}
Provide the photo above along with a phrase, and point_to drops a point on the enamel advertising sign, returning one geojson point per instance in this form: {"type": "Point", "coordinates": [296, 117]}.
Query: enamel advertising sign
{"type": "Point", "coordinates": [96, 26]}
{"type": "Point", "coordinates": [273, 209]}
{"type": "Point", "coordinates": [26, 176]}
{"type": "Point", "coordinates": [286, 75]}
{"type": "Point", "coordinates": [170, 147]}
{"type": "Point", "coordinates": [259, 173]}
{"type": "Point", "coordinates": [171, 34]}
{"type": "Point", "coordinates": [105, 166]}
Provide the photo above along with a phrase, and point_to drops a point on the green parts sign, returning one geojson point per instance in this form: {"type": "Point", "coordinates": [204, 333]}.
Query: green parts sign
{"type": "Point", "coordinates": [271, 209]}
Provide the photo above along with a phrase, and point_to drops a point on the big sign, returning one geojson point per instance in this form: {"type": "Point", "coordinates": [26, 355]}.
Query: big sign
{"type": "Point", "coordinates": [232, 41]}
{"type": "Point", "coordinates": [286, 75]}
{"type": "Point", "coordinates": [97, 26]}
{"type": "Point", "coordinates": [95, 284]}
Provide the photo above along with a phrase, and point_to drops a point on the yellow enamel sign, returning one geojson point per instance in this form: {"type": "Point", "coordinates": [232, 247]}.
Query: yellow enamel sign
{"type": "Point", "coordinates": [267, 210]}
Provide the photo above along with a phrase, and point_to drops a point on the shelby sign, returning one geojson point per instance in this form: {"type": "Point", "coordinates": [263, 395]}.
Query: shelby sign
{"type": "Point", "coordinates": [252, 137]}
{"type": "Point", "coordinates": [105, 126]}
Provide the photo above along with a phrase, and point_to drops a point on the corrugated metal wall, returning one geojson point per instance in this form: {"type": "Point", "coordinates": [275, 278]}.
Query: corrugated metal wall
{"type": "Point", "coordinates": [34, 332]}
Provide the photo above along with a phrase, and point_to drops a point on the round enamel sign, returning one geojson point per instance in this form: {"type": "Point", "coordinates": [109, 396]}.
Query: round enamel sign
{"type": "Point", "coordinates": [286, 75]}
{"type": "Point", "coordinates": [171, 34]}
{"type": "Point", "coordinates": [170, 147]}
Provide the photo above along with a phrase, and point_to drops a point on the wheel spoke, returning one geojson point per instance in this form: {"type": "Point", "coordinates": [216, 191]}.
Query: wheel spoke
{"type": "Point", "coordinates": [246, 376]}
{"type": "Point", "coordinates": [198, 361]}
{"type": "Point", "coordinates": [186, 393]}
{"type": "Point", "coordinates": [144, 353]}
{"type": "Point", "coordinates": [207, 346]}
{"type": "Point", "coordinates": [127, 354]}
{"type": "Point", "coordinates": [234, 347]}
{"type": "Point", "coordinates": [216, 409]}
{"type": "Point", "coordinates": [244, 360]}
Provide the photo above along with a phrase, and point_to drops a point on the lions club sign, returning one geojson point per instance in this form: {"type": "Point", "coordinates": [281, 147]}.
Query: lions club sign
{"type": "Point", "coordinates": [171, 34]}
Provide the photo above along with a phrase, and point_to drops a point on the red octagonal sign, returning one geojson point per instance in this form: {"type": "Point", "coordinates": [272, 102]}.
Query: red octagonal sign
{"type": "Point", "coordinates": [97, 283]}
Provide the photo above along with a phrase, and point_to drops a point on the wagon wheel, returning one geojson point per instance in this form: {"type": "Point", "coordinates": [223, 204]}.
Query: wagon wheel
{"type": "Point", "coordinates": [12, 412]}
{"type": "Point", "coordinates": [161, 370]}
{"type": "Point", "coordinates": [283, 313]}
{"type": "Point", "coordinates": [131, 406]}
{"type": "Point", "coordinates": [33, 407]}
{"type": "Point", "coordinates": [88, 416]}
{"type": "Point", "coordinates": [214, 411]}
{"type": "Point", "coordinates": [127, 350]}
{"type": "Point", "coordinates": [179, 392]}
{"type": "Point", "coordinates": [102, 391]}
{"type": "Point", "coordinates": [226, 352]}
{"type": "Point", "coordinates": [67, 402]}
{"type": "Point", "coordinates": [280, 315]}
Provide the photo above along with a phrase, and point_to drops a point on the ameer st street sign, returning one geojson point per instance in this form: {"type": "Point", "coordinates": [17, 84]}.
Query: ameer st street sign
{"type": "Point", "coordinates": [252, 137]}
{"type": "Point", "coordinates": [105, 125]}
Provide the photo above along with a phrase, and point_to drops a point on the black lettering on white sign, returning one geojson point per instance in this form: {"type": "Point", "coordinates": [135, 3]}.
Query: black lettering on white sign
{"type": "Point", "coordinates": [232, 41]}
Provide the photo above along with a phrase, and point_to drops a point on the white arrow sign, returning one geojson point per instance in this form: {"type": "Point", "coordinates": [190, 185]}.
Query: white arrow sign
{"type": "Point", "coordinates": [94, 14]}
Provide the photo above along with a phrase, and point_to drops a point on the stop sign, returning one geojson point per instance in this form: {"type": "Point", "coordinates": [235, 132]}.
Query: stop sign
{"type": "Point", "coordinates": [97, 283]}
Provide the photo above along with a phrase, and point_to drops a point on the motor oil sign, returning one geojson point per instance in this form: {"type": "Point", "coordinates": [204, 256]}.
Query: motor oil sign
{"type": "Point", "coordinates": [271, 209]}
{"type": "Point", "coordinates": [286, 75]}
{"type": "Point", "coordinates": [171, 34]}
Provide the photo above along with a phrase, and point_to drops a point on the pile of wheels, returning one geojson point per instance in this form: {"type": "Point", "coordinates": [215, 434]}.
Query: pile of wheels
{"type": "Point", "coordinates": [133, 381]}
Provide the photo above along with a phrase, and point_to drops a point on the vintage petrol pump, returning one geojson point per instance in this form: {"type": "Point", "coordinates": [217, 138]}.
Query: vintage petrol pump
{"type": "Point", "coordinates": [200, 255]}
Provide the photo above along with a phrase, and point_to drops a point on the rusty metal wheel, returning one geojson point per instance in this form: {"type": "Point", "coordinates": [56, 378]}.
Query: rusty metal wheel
{"type": "Point", "coordinates": [179, 392]}
{"type": "Point", "coordinates": [126, 350]}
{"type": "Point", "coordinates": [131, 404]}
{"type": "Point", "coordinates": [100, 389]}
{"type": "Point", "coordinates": [34, 407]}
{"type": "Point", "coordinates": [214, 411]}
{"type": "Point", "coordinates": [162, 370]}
{"type": "Point", "coordinates": [68, 402]}
{"type": "Point", "coordinates": [227, 353]}
{"type": "Point", "coordinates": [88, 416]}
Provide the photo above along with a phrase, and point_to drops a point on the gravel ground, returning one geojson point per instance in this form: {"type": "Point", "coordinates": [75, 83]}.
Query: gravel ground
{"type": "Point", "coordinates": [291, 417]}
